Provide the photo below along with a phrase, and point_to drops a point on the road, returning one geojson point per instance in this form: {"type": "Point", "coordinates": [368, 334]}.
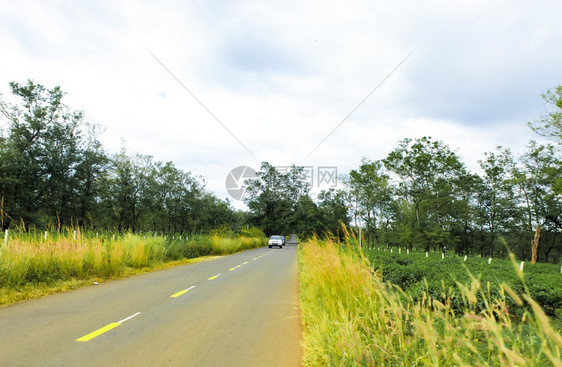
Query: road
{"type": "Point", "coordinates": [237, 310]}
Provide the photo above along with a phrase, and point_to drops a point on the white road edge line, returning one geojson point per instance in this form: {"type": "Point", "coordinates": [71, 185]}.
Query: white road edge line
{"type": "Point", "coordinates": [128, 318]}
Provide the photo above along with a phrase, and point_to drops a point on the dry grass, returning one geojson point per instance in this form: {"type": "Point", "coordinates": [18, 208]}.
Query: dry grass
{"type": "Point", "coordinates": [32, 266]}
{"type": "Point", "coordinates": [352, 318]}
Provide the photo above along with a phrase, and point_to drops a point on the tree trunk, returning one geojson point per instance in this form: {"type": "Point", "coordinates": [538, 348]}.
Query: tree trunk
{"type": "Point", "coordinates": [535, 244]}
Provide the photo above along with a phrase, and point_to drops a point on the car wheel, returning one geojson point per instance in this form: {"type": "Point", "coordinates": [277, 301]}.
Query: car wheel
{"type": "Point", "coordinates": [269, 246]}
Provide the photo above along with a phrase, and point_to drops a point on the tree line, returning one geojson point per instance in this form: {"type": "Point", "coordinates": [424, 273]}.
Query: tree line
{"type": "Point", "coordinates": [422, 196]}
{"type": "Point", "coordinates": [280, 203]}
{"type": "Point", "coordinates": [54, 172]}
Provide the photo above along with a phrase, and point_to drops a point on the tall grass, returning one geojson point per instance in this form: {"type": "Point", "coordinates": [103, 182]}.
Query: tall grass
{"type": "Point", "coordinates": [29, 261]}
{"type": "Point", "coordinates": [352, 318]}
{"type": "Point", "coordinates": [203, 245]}
{"type": "Point", "coordinates": [25, 261]}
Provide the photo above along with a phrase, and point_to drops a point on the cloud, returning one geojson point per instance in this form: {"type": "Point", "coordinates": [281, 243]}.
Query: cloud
{"type": "Point", "coordinates": [487, 63]}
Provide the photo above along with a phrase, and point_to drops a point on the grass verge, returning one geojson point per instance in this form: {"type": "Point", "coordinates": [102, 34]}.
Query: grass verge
{"type": "Point", "coordinates": [33, 266]}
{"type": "Point", "coordinates": [351, 317]}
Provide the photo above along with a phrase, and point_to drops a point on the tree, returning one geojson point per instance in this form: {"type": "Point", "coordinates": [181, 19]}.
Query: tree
{"type": "Point", "coordinates": [308, 218]}
{"type": "Point", "coordinates": [464, 212]}
{"type": "Point", "coordinates": [540, 203]}
{"type": "Point", "coordinates": [333, 210]}
{"type": "Point", "coordinates": [374, 195]}
{"type": "Point", "coordinates": [274, 198]}
{"type": "Point", "coordinates": [550, 123]}
{"type": "Point", "coordinates": [89, 174]}
{"type": "Point", "coordinates": [429, 174]}
{"type": "Point", "coordinates": [496, 198]}
{"type": "Point", "coordinates": [43, 159]}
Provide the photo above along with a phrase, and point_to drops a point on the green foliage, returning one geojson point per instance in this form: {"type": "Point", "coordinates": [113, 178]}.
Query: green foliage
{"type": "Point", "coordinates": [333, 211]}
{"type": "Point", "coordinates": [252, 232]}
{"type": "Point", "coordinates": [373, 193]}
{"type": "Point", "coordinates": [430, 175]}
{"type": "Point", "coordinates": [550, 123]}
{"type": "Point", "coordinates": [424, 198]}
{"type": "Point", "coordinates": [47, 160]}
{"type": "Point", "coordinates": [439, 278]}
{"type": "Point", "coordinates": [280, 204]}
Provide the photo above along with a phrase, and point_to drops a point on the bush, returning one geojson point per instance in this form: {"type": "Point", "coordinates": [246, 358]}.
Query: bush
{"type": "Point", "coordinates": [417, 274]}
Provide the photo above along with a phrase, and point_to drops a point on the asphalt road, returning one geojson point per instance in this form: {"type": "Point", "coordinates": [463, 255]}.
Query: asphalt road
{"type": "Point", "coordinates": [238, 310]}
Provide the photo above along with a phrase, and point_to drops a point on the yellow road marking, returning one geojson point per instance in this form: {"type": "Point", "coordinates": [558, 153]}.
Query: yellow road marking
{"type": "Point", "coordinates": [104, 329]}
{"type": "Point", "coordinates": [231, 269]}
{"type": "Point", "coordinates": [98, 332]}
{"type": "Point", "coordinates": [214, 277]}
{"type": "Point", "coordinates": [255, 258]}
{"type": "Point", "coordinates": [245, 262]}
{"type": "Point", "coordinates": [175, 295]}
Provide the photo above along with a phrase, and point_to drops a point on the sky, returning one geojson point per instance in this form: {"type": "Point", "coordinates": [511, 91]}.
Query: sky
{"type": "Point", "coordinates": [213, 85]}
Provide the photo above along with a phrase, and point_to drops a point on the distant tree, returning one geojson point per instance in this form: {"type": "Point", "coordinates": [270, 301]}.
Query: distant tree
{"type": "Point", "coordinates": [308, 219]}
{"type": "Point", "coordinates": [333, 211]}
{"type": "Point", "coordinates": [140, 194]}
{"type": "Point", "coordinates": [540, 203]}
{"type": "Point", "coordinates": [275, 199]}
{"type": "Point", "coordinates": [121, 193]}
{"type": "Point", "coordinates": [496, 200]}
{"type": "Point", "coordinates": [54, 172]}
{"type": "Point", "coordinates": [429, 174]}
{"type": "Point", "coordinates": [89, 173]}
{"type": "Point", "coordinates": [550, 123]}
{"type": "Point", "coordinates": [372, 188]}
{"type": "Point", "coordinates": [464, 212]}
{"type": "Point", "coordinates": [46, 159]}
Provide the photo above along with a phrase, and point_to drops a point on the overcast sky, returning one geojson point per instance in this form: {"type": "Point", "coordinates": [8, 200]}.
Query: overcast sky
{"type": "Point", "coordinates": [281, 75]}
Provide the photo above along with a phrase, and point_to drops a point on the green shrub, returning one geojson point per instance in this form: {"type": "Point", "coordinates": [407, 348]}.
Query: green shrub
{"type": "Point", "coordinates": [417, 274]}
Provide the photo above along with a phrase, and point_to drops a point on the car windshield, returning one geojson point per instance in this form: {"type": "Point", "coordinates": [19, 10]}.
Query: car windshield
{"type": "Point", "coordinates": [276, 237]}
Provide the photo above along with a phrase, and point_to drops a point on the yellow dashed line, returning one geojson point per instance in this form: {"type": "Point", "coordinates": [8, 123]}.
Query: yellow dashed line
{"type": "Point", "coordinates": [214, 277]}
{"type": "Point", "coordinates": [175, 295]}
{"type": "Point", "coordinates": [98, 332]}
{"type": "Point", "coordinates": [178, 294]}
{"type": "Point", "coordinates": [105, 329]}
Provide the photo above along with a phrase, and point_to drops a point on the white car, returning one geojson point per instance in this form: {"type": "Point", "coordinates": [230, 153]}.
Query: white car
{"type": "Point", "coordinates": [276, 241]}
